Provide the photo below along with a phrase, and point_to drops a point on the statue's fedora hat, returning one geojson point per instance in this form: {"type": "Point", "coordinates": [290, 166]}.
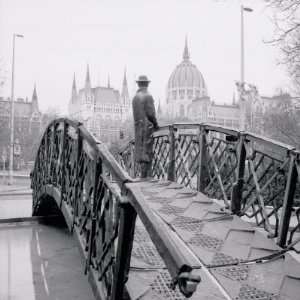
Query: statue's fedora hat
{"type": "Point", "coordinates": [142, 78]}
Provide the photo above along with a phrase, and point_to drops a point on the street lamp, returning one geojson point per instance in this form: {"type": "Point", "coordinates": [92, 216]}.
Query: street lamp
{"type": "Point", "coordinates": [247, 9]}
{"type": "Point", "coordinates": [12, 112]}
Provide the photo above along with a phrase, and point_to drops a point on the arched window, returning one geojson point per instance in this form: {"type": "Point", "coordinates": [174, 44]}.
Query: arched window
{"type": "Point", "coordinates": [190, 93]}
{"type": "Point", "coordinates": [174, 94]}
{"type": "Point", "coordinates": [181, 110]}
{"type": "Point", "coordinates": [181, 94]}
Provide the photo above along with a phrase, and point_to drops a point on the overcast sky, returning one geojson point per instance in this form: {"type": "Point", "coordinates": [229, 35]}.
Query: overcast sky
{"type": "Point", "coordinates": [62, 36]}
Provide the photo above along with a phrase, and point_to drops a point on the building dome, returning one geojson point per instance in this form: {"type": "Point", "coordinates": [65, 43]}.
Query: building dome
{"type": "Point", "coordinates": [186, 81]}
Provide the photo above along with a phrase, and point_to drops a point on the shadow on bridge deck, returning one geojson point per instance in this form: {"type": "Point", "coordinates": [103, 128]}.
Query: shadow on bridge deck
{"type": "Point", "coordinates": [40, 262]}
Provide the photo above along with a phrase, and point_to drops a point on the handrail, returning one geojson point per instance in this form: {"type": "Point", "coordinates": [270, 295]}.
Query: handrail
{"type": "Point", "coordinates": [254, 176]}
{"type": "Point", "coordinates": [96, 195]}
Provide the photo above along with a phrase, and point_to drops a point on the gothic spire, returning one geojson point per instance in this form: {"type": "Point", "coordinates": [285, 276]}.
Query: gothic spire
{"type": "Point", "coordinates": [124, 78]}
{"type": "Point", "coordinates": [74, 89]}
{"type": "Point", "coordinates": [186, 54]}
{"type": "Point", "coordinates": [34, 95]}
{"type": "Point", "coordinates": [159, 110]}
{"type": "Point", "coordinates": [34, 99]}
{"type": "Point", "coordinates": [125, 93]}
{"type": "Point", "coordinates": [87, 78]}
{"type": "Point", "coordinates": [108, 81]}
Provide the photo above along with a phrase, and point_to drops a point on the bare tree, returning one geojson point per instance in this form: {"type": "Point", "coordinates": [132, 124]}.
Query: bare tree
{"type": "Point", "coordinates": [282, 122]}
{"type": "Point", "coordinates": [287, 35]}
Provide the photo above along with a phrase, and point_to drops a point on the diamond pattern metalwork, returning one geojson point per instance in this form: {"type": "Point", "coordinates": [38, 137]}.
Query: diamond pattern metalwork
{"type": "Point", "coordinates": [248, 292]}
{"type": "Point", "coordinates": [186, 160]}
{"type": "Point", "coordinates": [148, 253]}
{"type": "Point", "coordinates": [225, 164]}
{"type": "Point", "coordinates": [141, 235]}
{"type": "Point", "coordinates": [187, 223]}
{"type": "Point", "coordinates": [237, 273]}
{"type": "Point", "coordinates": [161, 149]}
{"type": "Point", "coordinates": [171, 210]}
{"type": "Point", "coordinates": [221, 259]}
{"type": "Point", "coordinates": [162, 286]}
{"type": "Point", "coordinates": [206, 241]}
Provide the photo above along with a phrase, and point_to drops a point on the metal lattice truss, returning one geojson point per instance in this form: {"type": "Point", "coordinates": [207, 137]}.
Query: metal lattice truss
{"type": "Point", "coordinates": [255, 177]}
{"type": "Point", "coordinates": [90, 189]}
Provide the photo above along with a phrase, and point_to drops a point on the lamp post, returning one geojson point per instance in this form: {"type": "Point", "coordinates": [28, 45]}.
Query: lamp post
{"type": "Point", "coordinates": [12, 112]}
{"type": "Point", "coordinates": [248, 9]}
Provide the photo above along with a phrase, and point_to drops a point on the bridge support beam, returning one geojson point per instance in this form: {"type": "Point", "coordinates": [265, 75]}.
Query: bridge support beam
{"type": "Point", "coordinates": [202, 159]}
{"type": "Point", "coordinates": [288, 202]}
{"type": "Point", "coordinates": [171, 166]}
{"type": "Point", "coordinates": [125, 243]}
{"type": "Point", "coordinates": [237, 188]}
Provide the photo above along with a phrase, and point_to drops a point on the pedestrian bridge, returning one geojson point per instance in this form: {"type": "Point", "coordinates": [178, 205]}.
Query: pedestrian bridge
{"type": "Point", "coordinates": [220, 219]}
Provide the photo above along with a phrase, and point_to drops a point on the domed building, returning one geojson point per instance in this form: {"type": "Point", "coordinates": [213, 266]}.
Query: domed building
{"type": "Point", "coordinates": [185, 84]}
{"type": "Point", "coordinates": [187, 97]}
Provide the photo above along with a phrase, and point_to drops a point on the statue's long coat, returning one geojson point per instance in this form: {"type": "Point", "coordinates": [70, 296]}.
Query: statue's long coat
{"type": "Point", "coordinates": [144, 125]}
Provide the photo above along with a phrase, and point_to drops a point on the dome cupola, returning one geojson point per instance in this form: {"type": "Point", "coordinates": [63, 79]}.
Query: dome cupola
{"type": "Point", "coordinates": [186, 81]}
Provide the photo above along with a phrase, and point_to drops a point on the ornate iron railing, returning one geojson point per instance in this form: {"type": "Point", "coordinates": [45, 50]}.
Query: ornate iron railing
{"type": "Point", "coordinates": [93, 192]}
{"type": "Point", "coordinates": [255, 177]}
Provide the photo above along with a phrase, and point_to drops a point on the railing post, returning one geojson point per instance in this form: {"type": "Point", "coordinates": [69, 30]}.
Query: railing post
{"type": "Point", "coordinates": [202, 158]}
{"type": "Point", "coordinates": [132, 171]}
{"type": "Point", "coordinates": [97, 173]}
{"type": "Point", "coordinates": [237, 188]}
{"type": "Point", "coordinates": [50, 172]}
{"type": "Point", "coordinates": [77, 187]}
{"type": "Point", "coordinates": [125, 243]}
{"type": "Point", "coordinates": [46, 162]}
{"type": "Point", "coordinates": [171, 165]}
{"type": "Point", "coordinates": [288, 202]}
{"type": "Point", "coordinates": [63, 169]}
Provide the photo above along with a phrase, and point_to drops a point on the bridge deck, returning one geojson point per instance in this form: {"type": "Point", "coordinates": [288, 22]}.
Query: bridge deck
{"type": "Point", "coordinates": [220, 241]}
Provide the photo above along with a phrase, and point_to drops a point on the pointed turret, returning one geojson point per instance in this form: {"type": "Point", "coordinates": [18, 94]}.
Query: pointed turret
{"type": "Point", "coordinates": [159, 110]}
{"type": "Point", "coordinates": [87, 78]}
{"type": "Point", "coordinates": [74, 89]}
{"type": "Point", "coordinates": [108, 81]}
{"type": "Point", "coordinates": [186, 53]}
{"type": "Point", "coordinates": [125, 93]}
{"type": "Point", "coordinates": [34, 100]}
{"type": "Point", "coordinates": [73, 97]}
{"type": "Point", "coordinates": [233, 99]}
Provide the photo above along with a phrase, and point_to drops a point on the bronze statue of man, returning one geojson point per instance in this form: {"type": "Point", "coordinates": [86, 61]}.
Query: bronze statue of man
{"type": "Point", "coordinates": [145, 124]}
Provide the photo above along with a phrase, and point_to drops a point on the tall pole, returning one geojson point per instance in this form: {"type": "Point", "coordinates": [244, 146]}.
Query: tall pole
{"type": "Point", "coordinates": [242, 46]}
{"type": "Point", "coordinates": [247, 9]}
{"type": "Point", "coordinates": [243, 112]}
{"type": "Point", "coordinates": [12, 113]}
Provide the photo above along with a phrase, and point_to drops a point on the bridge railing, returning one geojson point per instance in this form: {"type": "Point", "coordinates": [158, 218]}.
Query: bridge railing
{"type": "Point", "coordinates": [94, 194]}
{"type": "Point", "coordinates": [255, 177]}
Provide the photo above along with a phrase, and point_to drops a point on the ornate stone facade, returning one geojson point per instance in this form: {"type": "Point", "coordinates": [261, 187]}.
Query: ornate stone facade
{"type": "Point", "coordinates": [103, 110]}
{"type": "Point", "coordinates": [27, 128]}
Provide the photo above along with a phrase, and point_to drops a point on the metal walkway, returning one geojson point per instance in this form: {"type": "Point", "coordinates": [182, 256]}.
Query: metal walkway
{"type": "Point", "coordinates": [228, 248]}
